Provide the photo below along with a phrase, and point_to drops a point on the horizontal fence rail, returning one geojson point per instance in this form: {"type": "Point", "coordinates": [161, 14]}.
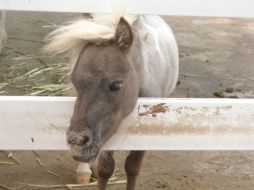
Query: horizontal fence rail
{"type": "Point", "coordinates": [39, 123]}
{"type": "Point", "coordinates": [213, 8]}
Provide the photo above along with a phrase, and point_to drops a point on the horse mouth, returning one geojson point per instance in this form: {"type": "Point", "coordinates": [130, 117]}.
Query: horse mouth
{"type": "Point", "coordinates": [84, 154]}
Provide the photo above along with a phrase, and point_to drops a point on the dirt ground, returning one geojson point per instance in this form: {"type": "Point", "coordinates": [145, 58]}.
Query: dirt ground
{"type": "Point", "coordinates": [215, 54]}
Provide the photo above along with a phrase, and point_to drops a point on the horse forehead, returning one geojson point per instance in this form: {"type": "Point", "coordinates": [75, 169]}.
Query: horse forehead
{"type": "Point", "coordinates": [101, 59]}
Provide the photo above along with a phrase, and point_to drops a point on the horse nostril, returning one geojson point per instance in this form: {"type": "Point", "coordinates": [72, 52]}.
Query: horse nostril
{"type": "Point", "coordinates": [80, 139]}
{"type": "Point", "coordinates": [84, 140]}
{"type": "Point", "coordinates": [71, 141]}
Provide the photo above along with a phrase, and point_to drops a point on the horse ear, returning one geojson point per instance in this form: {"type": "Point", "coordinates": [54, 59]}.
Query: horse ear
{"type": "Point", "coordinates": [123, 35]}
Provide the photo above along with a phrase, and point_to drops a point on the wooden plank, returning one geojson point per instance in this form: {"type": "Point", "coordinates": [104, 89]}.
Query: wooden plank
{"type": "Point", "coordinates": [39, 123]}
{"type": "Point", "coordinates": [213, 8]}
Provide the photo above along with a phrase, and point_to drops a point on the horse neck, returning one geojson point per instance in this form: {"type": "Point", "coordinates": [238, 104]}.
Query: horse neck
{"type": "Point", "coordinates": [155, 59]}
{"type": "Point", "coordinates": [137, 61]}
{"type": "Point", "coordinates": [136, 54]}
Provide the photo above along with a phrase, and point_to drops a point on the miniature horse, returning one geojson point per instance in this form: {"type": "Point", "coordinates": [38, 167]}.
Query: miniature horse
{"type": "Point", "coordinates": [116, 59]}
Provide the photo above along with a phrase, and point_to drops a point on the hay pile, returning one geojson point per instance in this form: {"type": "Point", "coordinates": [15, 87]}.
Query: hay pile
{"type": "Point", "coordinates": [30, 78]}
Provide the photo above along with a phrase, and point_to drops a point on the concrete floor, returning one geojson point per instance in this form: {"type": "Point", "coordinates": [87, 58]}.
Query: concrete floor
{"type": "Point", "coordinates": [215, 54]}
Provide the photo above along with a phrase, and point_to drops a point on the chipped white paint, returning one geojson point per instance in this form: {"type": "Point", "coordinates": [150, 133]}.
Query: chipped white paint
{"type": "Point", "coordinates": [178, 124]}
{"type": "Point", "coordinates": [218, 8]}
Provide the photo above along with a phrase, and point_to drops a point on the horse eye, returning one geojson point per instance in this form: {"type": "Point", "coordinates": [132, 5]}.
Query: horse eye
{"type": "Point", "coordinates": [116, 85]}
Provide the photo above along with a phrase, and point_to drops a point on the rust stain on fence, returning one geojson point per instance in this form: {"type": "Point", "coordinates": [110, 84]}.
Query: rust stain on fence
{"type": "Point", "coordinates": [153, 110]}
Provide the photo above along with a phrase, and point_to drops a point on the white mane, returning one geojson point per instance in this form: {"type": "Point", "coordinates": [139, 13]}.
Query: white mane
{"type": "Point", "coordinates": [75, 35]}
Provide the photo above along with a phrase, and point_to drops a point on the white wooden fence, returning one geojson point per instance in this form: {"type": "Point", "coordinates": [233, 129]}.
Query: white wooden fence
{"type": "Point", "coordinates": [155, 124]}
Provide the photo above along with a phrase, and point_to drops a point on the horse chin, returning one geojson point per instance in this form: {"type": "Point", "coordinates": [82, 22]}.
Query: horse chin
{"type": "Point", "coordinates": [82, 154]}
{"type": "Point", "coordinates": [85, 159]}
